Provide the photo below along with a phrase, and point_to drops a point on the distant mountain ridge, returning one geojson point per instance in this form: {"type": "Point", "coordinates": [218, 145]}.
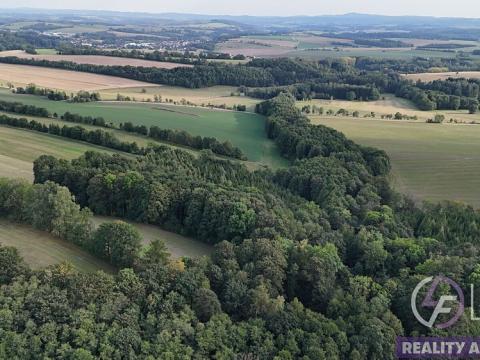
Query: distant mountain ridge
{"type": "Point", "coordinates": [302, 21]}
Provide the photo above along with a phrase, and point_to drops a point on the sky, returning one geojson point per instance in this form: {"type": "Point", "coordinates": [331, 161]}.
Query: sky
{"type": "Point", "coordinates": [457, 8]}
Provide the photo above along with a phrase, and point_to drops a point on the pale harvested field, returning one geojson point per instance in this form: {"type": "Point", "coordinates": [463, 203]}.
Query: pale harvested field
{"type": "Point", "coordinates": [390, 105]}
{"type": "Point", "coordinates": [95, 60]}
{"type": "Point", "coordinates": [62, 79]}
{"type": "Point", "coordinates": [443, 75]}
{"type": "Point", "coordinates": [255, 52]}
{"type": "Point", "coordinates": [321, 40]}
{"type": "Point", "coordinates": [257, 47]}
{"type": "Point", "coordinates": [272, 42]}
{"type": "Point", "coordinates": [215, 95]}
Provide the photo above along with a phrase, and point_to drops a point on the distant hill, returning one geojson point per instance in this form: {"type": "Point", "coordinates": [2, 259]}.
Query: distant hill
{"type": "Point", "coordinates": [349, 21]}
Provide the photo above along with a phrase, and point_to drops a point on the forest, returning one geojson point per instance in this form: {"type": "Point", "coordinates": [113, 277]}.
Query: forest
{"type": "Point", "coordinates": [313, 261]}
{"type": "Point", "coordinates": [26, 40]}
{"type": "Point", "coordinates": [450, 94]}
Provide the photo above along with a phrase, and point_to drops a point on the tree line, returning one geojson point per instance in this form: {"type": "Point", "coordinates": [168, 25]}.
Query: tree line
{"type": "Point", "coordinates": [190, 77]}
{"type": "Point", "coordinates": [382, 43]}
{"type": "Point", "coordinates": [418, 64]}
{"type": "Point", "coordinates": [58, 95]}
{"type": "Point", "coordinates": [103, 138]}
{"type": "Point", "coordinates": [95, 137]}
{"type": "Point", "coordinates": [256, 73]}
{"type": "Point", "coordinates": [186, 57]}
{"type": "Point", "coordinates": [442, 95]}
{"type": "Point", "coordinates": [306, 91]}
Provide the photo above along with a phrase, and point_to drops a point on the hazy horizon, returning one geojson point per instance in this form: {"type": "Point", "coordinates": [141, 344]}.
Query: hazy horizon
{"type": "Point", "coordinates": [463, 8]}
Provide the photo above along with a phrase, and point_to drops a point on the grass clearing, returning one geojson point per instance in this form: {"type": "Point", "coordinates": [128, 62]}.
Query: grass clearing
{"type": "Point", "coordinates": [245, 130]}
{"type": "Point", "coordinates": [46, 51]}
{"type": "Point", "coordinates": [430, 161]}
{"type": "Point", "coordinates": [177, 245]}
{"type": "Point", "coordinates": [40, 249]}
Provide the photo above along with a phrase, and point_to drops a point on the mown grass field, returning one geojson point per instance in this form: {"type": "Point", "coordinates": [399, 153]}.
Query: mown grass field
{"type": "Point", "coordinates": [40, 249]}
{"type": "Point", "coordinates": [430, 161]}
{"type": "Point", "coordinates": [245, 130]}
{"type": "Point", "coordinates": [19, 148]}
{"type": "Point", "coordinates": [46, 51]}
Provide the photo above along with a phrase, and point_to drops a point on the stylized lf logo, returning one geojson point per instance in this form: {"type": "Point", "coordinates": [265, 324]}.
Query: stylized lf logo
{"type": "Point", "coordinates": [438, 306]}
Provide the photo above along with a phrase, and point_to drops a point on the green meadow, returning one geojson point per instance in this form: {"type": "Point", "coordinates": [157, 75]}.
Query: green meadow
{"type": "Point", "coordinates": [430, 161]}
{"type": "Point", "coordinates": [19, 148]}
{"type": "Point", "coordinates": [243, 129]}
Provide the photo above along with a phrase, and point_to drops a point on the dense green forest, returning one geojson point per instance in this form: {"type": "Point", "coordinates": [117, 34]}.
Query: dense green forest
{"type": "Point", "coordinates": [450, 94]}
{"type": "Point", "coordinates": [315, 261]}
